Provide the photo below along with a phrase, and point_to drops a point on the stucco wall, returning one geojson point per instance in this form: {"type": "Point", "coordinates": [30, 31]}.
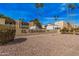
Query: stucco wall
{"type": "Point", "coordinates": [2, 21]}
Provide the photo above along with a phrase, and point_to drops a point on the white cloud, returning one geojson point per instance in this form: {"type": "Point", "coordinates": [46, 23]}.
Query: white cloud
{"type": "Point", "coordinates": [53, 18]}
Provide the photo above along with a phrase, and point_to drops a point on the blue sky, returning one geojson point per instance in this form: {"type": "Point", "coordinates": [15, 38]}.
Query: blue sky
{"type": "Point", "coordinates": [28, 11]}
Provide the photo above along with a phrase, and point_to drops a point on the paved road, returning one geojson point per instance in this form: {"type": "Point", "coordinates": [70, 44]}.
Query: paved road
{"type": "Point", "coordinates": [43, 45]}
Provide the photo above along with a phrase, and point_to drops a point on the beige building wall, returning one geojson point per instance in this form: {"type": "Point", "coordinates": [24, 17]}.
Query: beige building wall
{"type": "Point", "coordinates": [43, 27]}
{"type": "Point", "coordinates": [2, 20]}
{"type": "Point", "coordinates": [61, 24]}
{"type": "Point", "coordinates": [17, 24]}
{"type": "Point", "coordinates": [19, 29]}
{"type": "Point", "coordinates": [31, 24]}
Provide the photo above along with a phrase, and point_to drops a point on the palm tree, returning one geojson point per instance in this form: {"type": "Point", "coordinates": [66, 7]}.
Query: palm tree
{"type": "Point", "coordinates": [39, 5]}
{"type": "Point", "coordinates": [70, 8]}
{"type": "Point", "coordinates": [21, 19]}
{"type": "Point", "coordinates": [2, 15]}
{"type": "Point", "coordinates": [70, 27]}
{"type": "Point", "coordinates": [37, 23]}
{"type": "Point", "coordinates": [56, 17]}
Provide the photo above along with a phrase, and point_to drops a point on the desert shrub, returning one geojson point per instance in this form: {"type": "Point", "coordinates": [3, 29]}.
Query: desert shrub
{"type": "Point", "coordinates": [64, 30]}
{"type": "Point", "coordinates": [6, 34]}
{"type": "Point", "coordinates": [71, 30]}
{"type": "Point", "coordinates": [76, 29]}
{"type": "Point", "coordinates": [67, 31]}
{"type": "Point", "coordinates": [23, 31]}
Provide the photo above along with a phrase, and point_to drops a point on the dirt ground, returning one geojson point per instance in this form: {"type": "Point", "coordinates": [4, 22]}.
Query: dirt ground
{"type": "Point", "coordinates": [49, 44]}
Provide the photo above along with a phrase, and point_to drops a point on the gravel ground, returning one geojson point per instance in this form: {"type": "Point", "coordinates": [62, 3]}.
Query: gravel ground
{"type": "Point", "coordinates": [42, 45]}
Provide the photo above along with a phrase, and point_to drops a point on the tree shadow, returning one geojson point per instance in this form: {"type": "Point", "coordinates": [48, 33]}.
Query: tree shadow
{"type": "Point", "coordinates": [17, 41]}
{"type": "Point", "coordinates": [76, 33]}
